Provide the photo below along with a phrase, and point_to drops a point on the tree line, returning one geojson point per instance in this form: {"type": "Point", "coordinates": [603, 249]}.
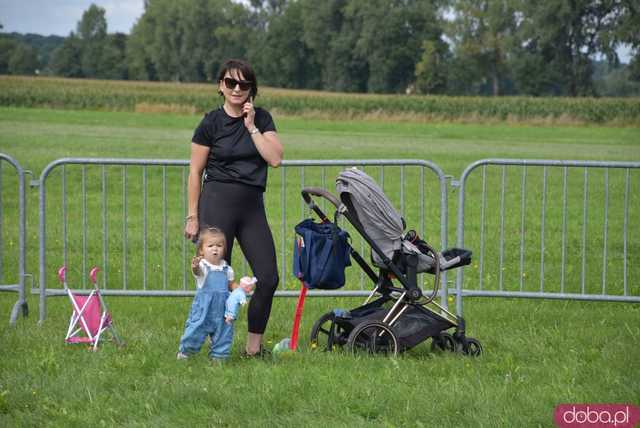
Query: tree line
{"type": "Point", "coordinates": [458, 47]}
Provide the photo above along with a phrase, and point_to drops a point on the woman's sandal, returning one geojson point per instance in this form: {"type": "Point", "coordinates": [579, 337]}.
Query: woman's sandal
{"type": "Point", "coordinates": [262, 353]}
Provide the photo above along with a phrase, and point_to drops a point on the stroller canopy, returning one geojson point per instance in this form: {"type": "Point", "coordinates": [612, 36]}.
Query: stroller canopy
{"type": "Point", "coordinates": [378, 217]}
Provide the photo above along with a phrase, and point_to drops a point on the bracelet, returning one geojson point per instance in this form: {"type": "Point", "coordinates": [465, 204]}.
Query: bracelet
{"type": "Point", "coordinates": [254, 131]}
{"type": "Point", "coordinates": [190, 217]}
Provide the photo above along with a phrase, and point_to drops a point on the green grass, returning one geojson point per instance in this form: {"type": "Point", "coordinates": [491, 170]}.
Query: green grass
{"type": "Point", "coordinates": [538, 353]}
{"type": "Point", "coordinates": [59, 134]}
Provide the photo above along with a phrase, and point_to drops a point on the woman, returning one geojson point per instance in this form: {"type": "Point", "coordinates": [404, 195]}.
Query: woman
{"type": "Point", "coordinates": [234, 145]}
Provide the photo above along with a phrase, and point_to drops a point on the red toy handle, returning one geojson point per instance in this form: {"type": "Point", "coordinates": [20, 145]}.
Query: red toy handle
{"type": "Point", "coordinates": [293, 344]}
{"type": "Point", "coordinates": [94, 273]}
{"type": "Point", "coordinates": [62, 274]}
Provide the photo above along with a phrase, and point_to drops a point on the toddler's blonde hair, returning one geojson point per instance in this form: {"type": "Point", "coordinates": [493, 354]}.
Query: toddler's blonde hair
{"type": "Point", "coordinates": [210, 231]}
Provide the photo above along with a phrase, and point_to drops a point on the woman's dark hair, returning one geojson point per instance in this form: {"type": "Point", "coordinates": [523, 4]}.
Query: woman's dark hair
{"type": "Point", "coordinates": [243, 67]}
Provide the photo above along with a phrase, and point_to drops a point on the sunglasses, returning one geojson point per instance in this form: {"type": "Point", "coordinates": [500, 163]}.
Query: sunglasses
{"type": "Point", "coordinates": [231, 83]}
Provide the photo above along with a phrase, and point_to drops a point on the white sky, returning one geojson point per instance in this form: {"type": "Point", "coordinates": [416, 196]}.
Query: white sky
{"type": "Point", "coordinates": [60, 17]}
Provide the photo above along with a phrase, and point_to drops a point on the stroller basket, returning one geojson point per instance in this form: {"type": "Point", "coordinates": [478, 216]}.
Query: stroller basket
{"type": "Point", "coordinates": [412, 328]}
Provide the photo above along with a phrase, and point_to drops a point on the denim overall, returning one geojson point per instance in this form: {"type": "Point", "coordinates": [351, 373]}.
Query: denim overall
{"type": "Point", "coordinates": [207, 318]}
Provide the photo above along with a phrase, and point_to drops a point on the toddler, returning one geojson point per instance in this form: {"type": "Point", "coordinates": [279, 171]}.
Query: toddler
{"type": "Point", "coordinates": [214, 279]}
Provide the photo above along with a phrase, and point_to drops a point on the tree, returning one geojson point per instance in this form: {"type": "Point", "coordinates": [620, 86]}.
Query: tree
{"type": "Point", "coordinates": [186, 40]}
{"type": "Point", "coordinates": [566, 36]}
{"type": "Point", "coordinates": [369, 45]}
{"type": "Point", "coordinates": [433, 67]}
{"type": "Point", "coordinates": [279, 52]}
{"type": "Point", "coordinates": [613, 80]}
{"type": "Point", "coordinates": [113, 64]}
{"type": "Point", "coordinates": [66, 60]}
{"type": "Point", "coordinates": [23, 60]}
{"type": "Point", "coordinates": [482, 33]}
{"type": "Point", "coordinates": [195, 25]}
{"type": "Point", "coordinates": [93, 25]}
{"type": "Point", "coordinates": [331, 39]}
{"type": "Point", "coordinates": [389, 38]}
{"type": "Point", "coordinates": [92, 32]}
{"type": "Point", "coordinates": [140, 65]}
{"type": "Point", "coordinates": [232, 35]}
{"type": "Point", "coordinates": [7, 46]}
{"type": "Point", "coordinates": [271, 7]}
{"type": "Point", "coordinates": [627, 32]}
{"type": "Point", "coordinates": [92, 52]}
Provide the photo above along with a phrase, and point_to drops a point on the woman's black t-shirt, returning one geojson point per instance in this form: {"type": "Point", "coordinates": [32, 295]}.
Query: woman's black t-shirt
{"type": "Point", "coordinates": [233, 157]}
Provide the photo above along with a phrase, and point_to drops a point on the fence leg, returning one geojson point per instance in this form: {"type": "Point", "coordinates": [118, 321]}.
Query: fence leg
{"type": "Point", "coordinates": [20, 305]}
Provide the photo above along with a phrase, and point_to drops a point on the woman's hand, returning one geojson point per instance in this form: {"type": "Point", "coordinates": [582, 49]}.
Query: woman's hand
{"type": "Point", "coordinates": [191, 229]}
{"type": "Point", "coordinates": [268, 144]}
{"type": "Point", "coordinates": [249, 113]}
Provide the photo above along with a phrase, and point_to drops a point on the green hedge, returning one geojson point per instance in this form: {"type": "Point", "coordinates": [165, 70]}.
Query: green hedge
{"type": "Point", "coordinates": [147, 96]}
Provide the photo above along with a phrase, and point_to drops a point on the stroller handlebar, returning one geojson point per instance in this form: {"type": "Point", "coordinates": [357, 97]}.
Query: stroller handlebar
{"type": "Point", "coordinates": [62, 274]}
{"type": "Point", "coordinates": [93, 274]}
{"type": "Point", "coordinates": [318, 191]}
{"type": "Point", "coordinates": [307, 192]}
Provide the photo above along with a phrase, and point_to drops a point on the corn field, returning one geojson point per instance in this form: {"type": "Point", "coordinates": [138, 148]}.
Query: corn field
{"type": "Point", "coordinates": [197, 98]}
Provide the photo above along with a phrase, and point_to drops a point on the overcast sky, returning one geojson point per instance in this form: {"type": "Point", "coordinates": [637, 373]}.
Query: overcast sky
{"type": "Point", "coordinates": [60, 17]}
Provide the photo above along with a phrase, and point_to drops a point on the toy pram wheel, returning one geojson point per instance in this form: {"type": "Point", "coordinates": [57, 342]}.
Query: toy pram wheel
{"type": "Point", "coordinates": [373, 337]}
{"type": "Point", "coordinates": [443, 342]}
{"type": "Point", "coordinates": [321, 336]}
{"type": "Point", "coordinates": [471, 347]}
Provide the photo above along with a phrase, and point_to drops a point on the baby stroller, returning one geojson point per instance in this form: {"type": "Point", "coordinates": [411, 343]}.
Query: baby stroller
{"type": "Point", "coordinates": [400, 317]}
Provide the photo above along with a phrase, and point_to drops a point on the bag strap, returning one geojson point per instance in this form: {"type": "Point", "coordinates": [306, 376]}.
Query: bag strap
{"type": "Point", "coordinates": [334, 232]}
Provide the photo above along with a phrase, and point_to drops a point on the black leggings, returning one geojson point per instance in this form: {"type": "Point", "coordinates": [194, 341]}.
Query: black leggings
{"type": "Point", "coordinates": [238, 210]}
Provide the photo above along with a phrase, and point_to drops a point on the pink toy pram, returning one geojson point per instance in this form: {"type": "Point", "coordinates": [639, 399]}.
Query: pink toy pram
{"type": "Point", "coordinates": [90, 317]}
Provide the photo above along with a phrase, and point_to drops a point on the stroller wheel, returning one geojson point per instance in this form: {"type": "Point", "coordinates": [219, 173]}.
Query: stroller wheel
{"type": "Point", "coordinates": [373, 337]}
{"type": "Point", "coordinates": [443, 342]}
{"type": "Point", "coordinates": [471, 347]}
{"type": "Point", "coordinates": [322, 337]}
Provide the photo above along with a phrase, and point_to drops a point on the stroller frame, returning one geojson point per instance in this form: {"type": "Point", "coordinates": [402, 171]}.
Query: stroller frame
{"type": "Point", "coordinates": [368, 334]}
{"type": "Point", "coordinates": [80, 329]}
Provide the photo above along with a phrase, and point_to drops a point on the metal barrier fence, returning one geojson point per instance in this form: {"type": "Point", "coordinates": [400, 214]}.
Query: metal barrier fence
{"type": "Point", "coordinates": [16, 233]}
{"type": "Point", "coordinates": [127, 216]}
{"type": "Point", "coordinates": [580, 246]}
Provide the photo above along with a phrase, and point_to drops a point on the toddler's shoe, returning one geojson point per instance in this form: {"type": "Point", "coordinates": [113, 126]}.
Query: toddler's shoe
{"type": "Point", "coordinates": [217, 361]}
{"type": "Point", "coordinates": [182, 356]}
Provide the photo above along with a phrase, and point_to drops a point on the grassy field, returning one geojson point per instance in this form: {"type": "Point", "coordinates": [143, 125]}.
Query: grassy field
{"type": "Point", "coordinates": [165, 136]}
{"type": "Point", "coordinates": [538, 353]}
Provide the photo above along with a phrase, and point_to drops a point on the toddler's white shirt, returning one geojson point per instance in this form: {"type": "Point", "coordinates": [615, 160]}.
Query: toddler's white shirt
{"type": "Point", "coordinates": [206, 267]}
